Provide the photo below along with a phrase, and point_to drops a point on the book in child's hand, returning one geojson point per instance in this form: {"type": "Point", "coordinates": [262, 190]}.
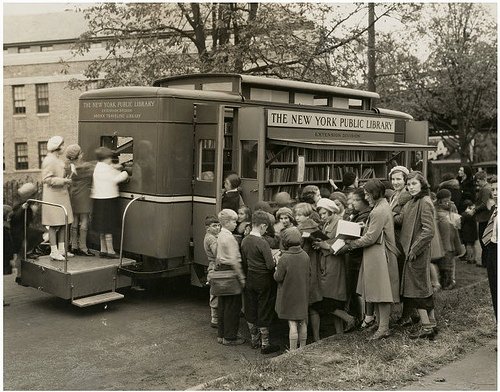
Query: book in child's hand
{"type": "Point", "coordinates": [318, 235]}
{"type": "Point", "coordinates": [337, 245]}
{"type": "Point", "coordinates": [348, 230]}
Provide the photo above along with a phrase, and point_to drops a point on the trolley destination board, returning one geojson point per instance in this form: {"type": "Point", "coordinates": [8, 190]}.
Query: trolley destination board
{"type": "Point", "coordinates": [293, 119]}
{"type": "Point", "coordinates": [286, 124]}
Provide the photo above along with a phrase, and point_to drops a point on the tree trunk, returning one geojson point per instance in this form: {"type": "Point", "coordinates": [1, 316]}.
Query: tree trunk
{"type": "Point", "coordinates": [371, 47]}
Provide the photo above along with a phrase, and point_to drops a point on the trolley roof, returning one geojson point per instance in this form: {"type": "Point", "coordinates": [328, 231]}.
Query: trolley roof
{"type": "Point", "coordinates": [260, 81]}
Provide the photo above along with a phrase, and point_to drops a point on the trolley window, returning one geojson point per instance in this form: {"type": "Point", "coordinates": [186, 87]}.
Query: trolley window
{"type": "Point", "coordinates": [206, 170]}
{"type": "Point", "coordinates": [249, 159]}
{"type": "Point", "coordinates": [259, 94]}
{"type": "Point", "coordinates": [122, 147]}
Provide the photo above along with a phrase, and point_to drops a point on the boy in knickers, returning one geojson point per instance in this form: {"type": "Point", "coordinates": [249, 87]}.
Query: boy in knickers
{"type": "Point", "coordinates": [212, 227]}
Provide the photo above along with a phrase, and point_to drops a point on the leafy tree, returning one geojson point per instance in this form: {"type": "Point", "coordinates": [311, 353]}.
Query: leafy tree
{"type": "Point", "coordinates": [454, 87]}
{"type": "Point", "coordinates": [144, 41]}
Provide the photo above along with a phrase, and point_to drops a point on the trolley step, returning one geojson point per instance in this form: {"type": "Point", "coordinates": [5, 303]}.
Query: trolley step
{"type": "Point", "coordinates": [97, 299]}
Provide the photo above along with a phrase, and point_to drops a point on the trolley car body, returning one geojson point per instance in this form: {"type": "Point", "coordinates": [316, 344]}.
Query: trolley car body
{"type": "Point", "coordinates": [183, 134]}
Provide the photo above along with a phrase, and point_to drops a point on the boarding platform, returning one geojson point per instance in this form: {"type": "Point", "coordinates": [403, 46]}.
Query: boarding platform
{"type": "Point", "coordinates": [86, 280]}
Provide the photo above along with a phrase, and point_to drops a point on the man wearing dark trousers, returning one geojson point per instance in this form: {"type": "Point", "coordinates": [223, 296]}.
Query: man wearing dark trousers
{"type": "Point", "coordinates": [490, 240]}
{"type": "Point", "coordinates": [481, 212]}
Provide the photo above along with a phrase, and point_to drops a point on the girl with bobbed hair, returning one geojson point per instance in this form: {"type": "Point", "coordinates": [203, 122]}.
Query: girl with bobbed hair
{"type": "Point", "coordinates": [417, 221]}
{"type": "Point", "coordinates": [311, 195]}
{"type": "Point", "coordinates": [378, 280]}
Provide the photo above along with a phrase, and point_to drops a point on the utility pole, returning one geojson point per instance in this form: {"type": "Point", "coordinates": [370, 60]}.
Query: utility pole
{"type": "Point", "coordinates": [371, 47]}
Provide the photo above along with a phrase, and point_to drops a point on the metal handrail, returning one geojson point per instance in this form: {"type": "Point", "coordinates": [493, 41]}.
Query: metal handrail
{"type": "Point", "coordinates": [123, 224]}
{"type": "Point", "coordinates": [65, 224]}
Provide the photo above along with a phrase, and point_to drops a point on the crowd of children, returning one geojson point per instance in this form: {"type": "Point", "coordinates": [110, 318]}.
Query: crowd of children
{"type": "Point", "coordinates": [286, 266]}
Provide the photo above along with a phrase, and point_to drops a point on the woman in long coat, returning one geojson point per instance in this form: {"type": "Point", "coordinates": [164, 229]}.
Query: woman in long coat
{"type": "Point", "coordinates": [332, 277]}
{"type": "Point", "coordinates": [378, 280]}
{"type": "Point", "coordinates": [55, 190]}
{"type": "Point", "coordinates": [417, 230]}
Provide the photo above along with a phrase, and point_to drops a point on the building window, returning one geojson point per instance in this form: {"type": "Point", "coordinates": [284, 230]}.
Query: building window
{"type": "Point", "coordinates": [42, 98]}
{"type": "Point", "coordinates": [23, 49]}
{"type": "Point", "coordinates": [19, 99]}
{"type": "Point", "coordinates": [46, 48]}
{"type": "Point", "coordinates": [21, 156]}
{"type": "Point", "coordinates": [42, 152]}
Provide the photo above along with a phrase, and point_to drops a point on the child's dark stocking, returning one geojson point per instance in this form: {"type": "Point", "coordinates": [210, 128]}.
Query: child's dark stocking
{"type": "Point", "coordinates": [254, 334]}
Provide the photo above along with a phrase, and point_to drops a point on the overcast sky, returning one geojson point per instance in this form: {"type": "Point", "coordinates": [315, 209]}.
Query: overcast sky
{"type": "Point", "coordinates": [17, 8]}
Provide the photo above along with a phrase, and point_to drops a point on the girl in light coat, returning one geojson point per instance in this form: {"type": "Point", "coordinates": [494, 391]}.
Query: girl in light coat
{"type": "Point", "coordinates": [378, 280]}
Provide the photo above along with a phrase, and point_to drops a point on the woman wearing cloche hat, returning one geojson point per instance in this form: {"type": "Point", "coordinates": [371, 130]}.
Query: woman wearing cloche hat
{"type": "Point", "coordinates": [55, 190]}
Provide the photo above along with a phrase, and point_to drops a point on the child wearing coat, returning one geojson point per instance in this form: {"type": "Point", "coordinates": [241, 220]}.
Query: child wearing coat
{"type": "Point", "coordinates": [231, 196]}
{"type": "Point", "coordinates": [447, 232]}
{"type": "Point", "coordinates": [229, 258]}
{"type": "Point", "coordinates": [260, 290]}
{"type": "Point", "coordinates": [292, 275]}
{"type": "Point", "coordinates": [469, 232]}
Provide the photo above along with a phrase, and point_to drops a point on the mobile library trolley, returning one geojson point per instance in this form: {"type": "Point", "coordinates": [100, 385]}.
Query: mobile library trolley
{"type": "Point", "coordinates": [182, 135]}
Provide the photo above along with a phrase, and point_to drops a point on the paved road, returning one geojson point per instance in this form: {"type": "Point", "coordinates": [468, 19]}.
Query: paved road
{"type": "Point", "coordinates": [475, 371]}
{"type": "Point", "coordinates": [148, 341]}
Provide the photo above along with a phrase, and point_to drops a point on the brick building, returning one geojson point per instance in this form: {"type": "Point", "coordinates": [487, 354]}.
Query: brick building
{"type": "Point", "coordinates": [37, 101]}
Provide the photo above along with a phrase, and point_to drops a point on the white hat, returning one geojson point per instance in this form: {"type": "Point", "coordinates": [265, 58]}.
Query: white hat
{"type": "Point", "coordinates": [328, 205]}
{"type": "Point", "coordinates": [399, 168]}
{"type": "Point", "coordinates": [54, 143]}
{"type": "Point", "coordinates": [26, 190]}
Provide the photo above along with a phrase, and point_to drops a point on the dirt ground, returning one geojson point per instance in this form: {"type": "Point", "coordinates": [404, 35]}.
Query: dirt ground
{"type": "Point", "coordinates": [153, 340]}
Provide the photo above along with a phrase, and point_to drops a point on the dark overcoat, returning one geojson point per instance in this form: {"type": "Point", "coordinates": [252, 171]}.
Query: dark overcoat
{"type": "Point", "coordinates": [292, 275]}
{"type": "Point", "coordinates": [332, 267]}
{"type": "Point", "coordinates": [417, 231]}
{"type": "Point", "coordinates": [309, 226]}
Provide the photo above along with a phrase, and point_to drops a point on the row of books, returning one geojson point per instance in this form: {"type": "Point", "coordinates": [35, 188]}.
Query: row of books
{"type": "Point", "coordinates": [282, 155]}
{"type": "Point", "coordinates": [317, 173]}
{"type": "Point", "coordinates": [228, 142]}
{"type": "Point", "coordinates": [228, 127]}
{"type": "Point", "coordinates": [281, 174]}
{"type": "Point", "coordinates": [322, 173]}
{"type": "Point", "coordinates": [319, 155]}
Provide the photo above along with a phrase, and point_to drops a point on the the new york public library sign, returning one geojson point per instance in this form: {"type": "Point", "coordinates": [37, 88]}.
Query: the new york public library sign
{"type": "Point", "coordinates": [118, 109]}
{"type": "Point", "coordinates": [326, 125]}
